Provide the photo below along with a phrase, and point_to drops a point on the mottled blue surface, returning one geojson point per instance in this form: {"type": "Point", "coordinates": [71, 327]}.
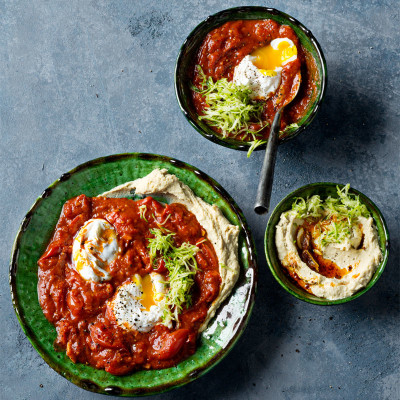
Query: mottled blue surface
{"type": "Point", "coordinates": [84, 79]}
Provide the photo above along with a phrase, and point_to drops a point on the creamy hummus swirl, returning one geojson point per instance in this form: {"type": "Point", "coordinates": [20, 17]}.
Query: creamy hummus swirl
{"type": "Point", "coordinates": [360, 263]}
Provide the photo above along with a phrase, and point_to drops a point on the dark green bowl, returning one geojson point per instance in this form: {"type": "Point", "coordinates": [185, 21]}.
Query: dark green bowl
{"type": "Point", "coordinates": [93, 178]}
{"type": "Point", "coordinates": [191, 46]}
{"type": "Point", "coordinates": [323, 189]}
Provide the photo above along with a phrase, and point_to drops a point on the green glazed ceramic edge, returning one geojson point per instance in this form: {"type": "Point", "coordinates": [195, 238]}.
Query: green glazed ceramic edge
{"type": "Point", "coordinates": [247, 12]}
{"type": "Point", "coordinates": [248, 252]}
{"type": "Point", "coordinates": [323, 189]}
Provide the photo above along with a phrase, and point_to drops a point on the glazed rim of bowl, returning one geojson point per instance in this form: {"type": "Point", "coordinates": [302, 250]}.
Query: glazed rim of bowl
{"type": "Point", "coordinates": [200, 370]}
{"type": "Point", "coordinates": [271, 252]}
{"type": "Point", "coordinates": [191, 44]}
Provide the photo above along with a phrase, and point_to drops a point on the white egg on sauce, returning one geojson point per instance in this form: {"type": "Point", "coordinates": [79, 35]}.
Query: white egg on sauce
{"type": "Point", "coordinates": [262, 69]}
{"type": "Point", "coordinates": [94, 248]}
{"type": "Point", "coordinates": [139, 304]}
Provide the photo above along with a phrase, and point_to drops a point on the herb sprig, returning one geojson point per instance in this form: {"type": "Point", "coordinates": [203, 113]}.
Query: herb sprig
{"type": "Point", "coordinates": [259, 142]}
{"type": "Point", "coordinates": [229, 106]}
{"type": "Point", "coordinates": [231, 109]}
{"type": "Point", "coordinates": [182, 267]}
{"type": "Point", "coordinates": [142, 212]}
{"type": "Point", "coordinates": [337, 214]}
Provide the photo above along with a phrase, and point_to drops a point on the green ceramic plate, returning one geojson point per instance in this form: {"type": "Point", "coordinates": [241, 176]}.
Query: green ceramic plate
{"type": "Point", "coordinates": [191, 46]}
{"type": "Point", "coordinates": [93, 178]}
{"type": "Point", "coordinates": [323, 189]}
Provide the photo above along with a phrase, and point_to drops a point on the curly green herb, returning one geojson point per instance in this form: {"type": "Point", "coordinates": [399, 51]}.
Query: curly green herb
{"type": "Point", "coordinates": [254, 145]}
{"type": "Point", "coordinates": [142, 212]}
{"type": "Point", "coordinates": [337, 214]}
{"type": "Point", "coordinates": [289, 129]}
{"type": "Point", "coordinates": [230, 107]}
{"type": "Point", "coordinates": [182, 267]}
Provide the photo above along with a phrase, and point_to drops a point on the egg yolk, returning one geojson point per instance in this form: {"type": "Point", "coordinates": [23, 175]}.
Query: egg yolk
{"type": "Point", "coordinates": [147, 299]}
{"type": "Point", "coordinates": [268, 58]}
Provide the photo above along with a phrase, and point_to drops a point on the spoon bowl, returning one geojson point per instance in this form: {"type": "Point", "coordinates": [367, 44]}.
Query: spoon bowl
{"type": "Point", "coordinates": [293, 91]}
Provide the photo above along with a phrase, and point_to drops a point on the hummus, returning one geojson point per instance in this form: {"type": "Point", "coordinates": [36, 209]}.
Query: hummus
{"type": "Point", "coordinates": [356, 259]}
{"type": "Point", "coordinates": [220, 232]}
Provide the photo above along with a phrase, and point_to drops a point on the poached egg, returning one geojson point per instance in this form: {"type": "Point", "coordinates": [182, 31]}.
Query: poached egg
{"type": "Point", "coordinates": [262, 69]}
{"type": "Point", "coordinates": [94, 248]}
{"type": "Point", "coordinates": [139, 304]}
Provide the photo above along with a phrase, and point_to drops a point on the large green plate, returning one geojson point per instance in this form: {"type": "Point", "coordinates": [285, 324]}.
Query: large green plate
{"type": "Point", "coordinates": [93, 178]}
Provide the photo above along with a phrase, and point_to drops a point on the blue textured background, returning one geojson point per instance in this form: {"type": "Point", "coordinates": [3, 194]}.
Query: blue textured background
{"type": "Point", "coordinates": [84, 79]}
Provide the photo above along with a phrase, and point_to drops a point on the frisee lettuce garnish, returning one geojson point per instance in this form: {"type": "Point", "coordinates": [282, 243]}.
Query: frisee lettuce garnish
{"type": "Point", "coordinates": [230, 107]}
{"type": "Point", "coordinates": [337, 214]}
{"type": "Point", "coordinates": [182, 267]}
{"type": "Point", "coordinates": [290, 128]}
{"type": "Point", "coordinates": [258, 142]}
{"type": "Point", "coordinates": [142, 211]}
{"type": "Point", "coordinates": [254, 145]}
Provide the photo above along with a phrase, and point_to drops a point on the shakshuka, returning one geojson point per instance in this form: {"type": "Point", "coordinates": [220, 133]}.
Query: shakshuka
{"type": "Point", "coordinates": [110, 294]}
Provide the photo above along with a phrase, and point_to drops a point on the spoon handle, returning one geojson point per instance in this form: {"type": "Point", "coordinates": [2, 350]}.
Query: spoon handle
{"type": "Point", "coordinates": [264, 190]}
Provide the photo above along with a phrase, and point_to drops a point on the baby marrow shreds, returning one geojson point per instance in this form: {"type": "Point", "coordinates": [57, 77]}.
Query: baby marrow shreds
{"type": "Point", "coordinates": [182, 267]}
{"type": "Point", "coordinates": [337, 215]}
{"type": "Point", "coordinates": [230, 107]}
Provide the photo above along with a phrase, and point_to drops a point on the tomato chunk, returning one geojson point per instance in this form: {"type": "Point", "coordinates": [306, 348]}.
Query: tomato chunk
{"type": "Point", "coordinates": [160, 267]}
{"type": "Point", "coordinates": [51, 251]}
{"type": "Point", "coordinates": [168, 345]}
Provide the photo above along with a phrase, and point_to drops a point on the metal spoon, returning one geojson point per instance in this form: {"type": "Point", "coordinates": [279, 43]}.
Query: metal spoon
{"type": "Point", "coordinates": [261, 205]}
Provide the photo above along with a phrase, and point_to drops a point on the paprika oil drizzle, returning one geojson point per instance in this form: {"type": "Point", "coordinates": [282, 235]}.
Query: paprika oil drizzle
{"type": "Point", "coordinates": [311, 255]}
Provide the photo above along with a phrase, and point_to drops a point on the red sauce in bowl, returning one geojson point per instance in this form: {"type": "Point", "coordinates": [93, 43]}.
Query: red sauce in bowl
{"type": "Point", "coordinates": [225, 47]}
{"type": "Point", "coordinates": [78, 308]}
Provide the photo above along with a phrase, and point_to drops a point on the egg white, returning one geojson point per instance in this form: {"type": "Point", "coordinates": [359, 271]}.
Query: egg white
{"type": "Point", "coordinates": [128, 309]}
{"type": "Point", "coordinates": [94, 248]}
{"type": "Point", "coordinates": [262, 86]}
{"type": "Point", "coordinates": [262, 83]}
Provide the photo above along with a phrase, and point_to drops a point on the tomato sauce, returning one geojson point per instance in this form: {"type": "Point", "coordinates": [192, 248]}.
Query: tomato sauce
{"type": "Point", "coordinates": [78, 308]}
{"type": "Point", "coordinates": [225, 47]}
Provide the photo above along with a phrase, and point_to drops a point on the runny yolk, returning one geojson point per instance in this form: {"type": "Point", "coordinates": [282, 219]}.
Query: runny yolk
{"type": "Point", "coordinates": [267, 58]}
{"type": "Point", "coordinates": [147, 299]}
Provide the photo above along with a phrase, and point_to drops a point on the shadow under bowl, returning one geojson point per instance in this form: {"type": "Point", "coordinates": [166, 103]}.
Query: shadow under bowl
{"type": "Point", "coordinates": [190, 48]}
{"type": "Point", "coordinates": [323, 189]}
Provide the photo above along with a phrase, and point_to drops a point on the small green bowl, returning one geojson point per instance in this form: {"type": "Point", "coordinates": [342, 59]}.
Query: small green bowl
{"type": "Point", "coordinates": [191, 46]}
{"type": "Point", "coordinates": [323, 189]}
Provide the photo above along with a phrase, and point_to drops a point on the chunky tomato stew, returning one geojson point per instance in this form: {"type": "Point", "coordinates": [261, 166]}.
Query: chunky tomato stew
{"type": "Point", "coordinates": [79, 308]}
{"type": "Point", "coordinates": [226, 46]}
